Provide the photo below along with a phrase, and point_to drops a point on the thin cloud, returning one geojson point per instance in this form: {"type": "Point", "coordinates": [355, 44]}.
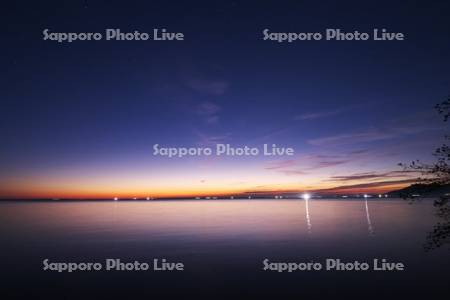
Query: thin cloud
{"type": "Point", "coordinates": [356, 187]}
{"type": "Point", "coordinates": [371, 176]}
{"type": "Point", "coordinates": [208, 140]}
{"type": "Point", "coordinates": [326, 164]}
{"type": "Point", "coordinates": [309, 163]}
{"type": "Point", "coordinates": [370, 135]}
{"type": "Point", "coordinates": [361, 151]}
{"type": "Point", "coordinates": [207, 86]}
{"type": "Point", "coordinates": [281, 164]}
{"type": "Point", "coordinates": [209, 111]}
{"type": "Point", "coordinates": [328, 113]}
{"type": "Point", "coordinates": [318, 115]}
{"type": "Point", "coordinates": [294, 172]}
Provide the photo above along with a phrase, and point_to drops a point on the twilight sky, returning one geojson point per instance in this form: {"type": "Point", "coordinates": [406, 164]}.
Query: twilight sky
{"type": "Point", "coordinates": [80, 119]}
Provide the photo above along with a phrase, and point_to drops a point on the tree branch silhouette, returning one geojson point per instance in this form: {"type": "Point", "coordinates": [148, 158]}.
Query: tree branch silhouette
{"type": "Point", "coordinates": [433, 176]}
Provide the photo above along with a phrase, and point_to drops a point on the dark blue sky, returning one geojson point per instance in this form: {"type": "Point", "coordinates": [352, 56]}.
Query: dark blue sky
{"type": "Point", "coordinates": [82, 117]}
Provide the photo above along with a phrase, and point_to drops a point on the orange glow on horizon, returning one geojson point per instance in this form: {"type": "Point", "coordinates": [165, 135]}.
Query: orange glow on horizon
{"type": "Point", "coordinates": [129, 193]}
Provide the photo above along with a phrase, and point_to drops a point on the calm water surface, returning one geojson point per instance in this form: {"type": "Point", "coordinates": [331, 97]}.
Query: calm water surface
{"type": "Point", "coordinates": [222, 244]}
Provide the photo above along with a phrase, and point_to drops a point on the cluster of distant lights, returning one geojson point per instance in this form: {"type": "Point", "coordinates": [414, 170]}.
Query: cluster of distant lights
{"type": "Point", "coordinates": [379, 196]}
{"type": "Point", "coordinates": [307, 196]}
{"type": "Point", "coordinates": [304, 196]}
{"type": "Point", "coordinates": [135, 198]}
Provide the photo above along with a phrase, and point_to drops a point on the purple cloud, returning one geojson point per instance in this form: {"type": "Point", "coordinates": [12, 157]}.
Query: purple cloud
{"type": "Point", "coordinates": [381, 184]}
{"type": "Point", "coordinates": [275, 165]}
{"type": "Point", "coordinates": [371, 176]}
{"type": "Point", "coordinates": [370, 135]}
{"type": "Point", "coordinates": [207, 86]}
{"type": "Point", "coordinates": [209, 111]}
{"type": "Point", "coordinates": [318, 115]}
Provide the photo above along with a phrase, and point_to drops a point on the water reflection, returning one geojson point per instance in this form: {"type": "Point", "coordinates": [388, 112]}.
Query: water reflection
{"type": "Point", "coordinates": [308, 219]}
{"type": "Point", "coordinates": [369, 223]}
{"type": "Point", "coordinates": [267, 220]}
{"type": "Point", "coordinates": [218, 239]}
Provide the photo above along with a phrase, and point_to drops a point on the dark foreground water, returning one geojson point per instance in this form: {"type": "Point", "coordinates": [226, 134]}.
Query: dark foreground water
{"type": "Point", "coordinates": [222, 245]}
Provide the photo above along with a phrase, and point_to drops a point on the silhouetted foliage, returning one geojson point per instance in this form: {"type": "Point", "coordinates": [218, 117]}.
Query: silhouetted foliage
{"type": "Point", "coordinates": [433, 177]}
{"type": "Point", "coordinates": [444, 109]}
{"type": "Point", "coordinates": [440, 235]}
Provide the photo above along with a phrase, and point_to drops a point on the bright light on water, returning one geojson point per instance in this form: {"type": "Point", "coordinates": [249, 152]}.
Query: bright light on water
{"type": "Point", "coordinates": [306, 197]}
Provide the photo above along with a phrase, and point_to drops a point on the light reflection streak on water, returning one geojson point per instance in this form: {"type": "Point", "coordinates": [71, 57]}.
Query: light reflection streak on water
{"type": "Point", "coordinates": [369, 223]}
{"type": "Point", "coordinates": [308, 219]}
